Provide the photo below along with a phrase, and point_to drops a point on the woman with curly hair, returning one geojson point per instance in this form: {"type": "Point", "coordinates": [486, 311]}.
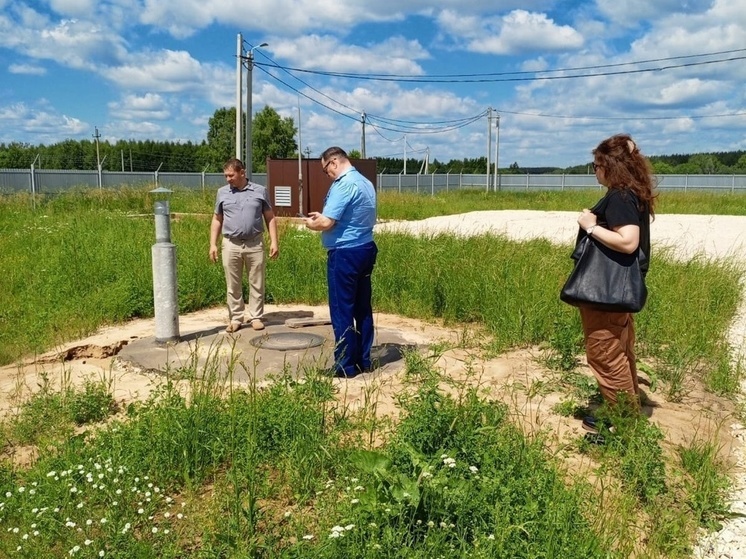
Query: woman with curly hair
{"type": "Point", "coordinates": [621, 222]}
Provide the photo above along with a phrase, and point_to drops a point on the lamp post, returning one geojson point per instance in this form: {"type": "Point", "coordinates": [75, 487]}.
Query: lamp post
{"type": "Point", "coordinates": [166, 303]}
{"type": "Point", "coordinates": [249, 84]}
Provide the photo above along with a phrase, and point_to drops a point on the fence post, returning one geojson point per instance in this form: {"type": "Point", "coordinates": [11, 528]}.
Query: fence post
{"type": "Point", "coordinates": [528, 179]}
{"type": "Point", "coordinates": [33, 186]}
{"type": "Point", "coordinates": [432, 184]}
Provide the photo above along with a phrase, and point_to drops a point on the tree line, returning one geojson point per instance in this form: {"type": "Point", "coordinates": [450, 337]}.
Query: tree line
{"type": "Point", "coordinates": [274, 137]}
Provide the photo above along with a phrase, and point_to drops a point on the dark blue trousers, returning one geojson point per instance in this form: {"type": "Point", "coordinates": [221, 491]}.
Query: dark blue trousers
{"type": "Point", "coordinates": [349, 277]}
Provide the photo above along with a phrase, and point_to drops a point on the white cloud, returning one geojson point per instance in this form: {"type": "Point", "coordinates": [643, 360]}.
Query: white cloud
{"type": "Point", "coordinates": [73, 43]}
{"type": "Point", "coordinates": [163, 71]}
{"type": "Point", "coordinates": [150, 106]}
{"type": "Point", "coordinates": [39, 120]}
{"type": "Point", "coordinates": [394, 55]}
{"type": "Point", "coordinates": [27, 69]}
{"type": "Point", "coordinates": [73, 7]}
{"type": "Point", "coordinates": [632, 12]}
{"type": "Point", "coordinates": [517, 32]}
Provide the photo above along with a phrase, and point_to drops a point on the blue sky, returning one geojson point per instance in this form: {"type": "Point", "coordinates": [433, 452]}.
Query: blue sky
{"type": "Point", "coordinates": [158, 69]}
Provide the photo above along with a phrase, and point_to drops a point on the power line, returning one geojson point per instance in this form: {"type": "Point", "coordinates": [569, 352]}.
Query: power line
{"type": "Point", "coordinates": [498, 77]}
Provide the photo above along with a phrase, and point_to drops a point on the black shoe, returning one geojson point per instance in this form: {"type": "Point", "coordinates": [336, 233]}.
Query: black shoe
{"type": "Point", "coordinates": [594, 439]}
{"type": "Point", "coordinates": [594, 425]}
{"type": "Point", "coordinates": [340, 373]}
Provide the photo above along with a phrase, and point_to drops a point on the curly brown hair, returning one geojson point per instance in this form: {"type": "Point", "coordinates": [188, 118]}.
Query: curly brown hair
{"type": "Point", "coordinates": [625, 168]}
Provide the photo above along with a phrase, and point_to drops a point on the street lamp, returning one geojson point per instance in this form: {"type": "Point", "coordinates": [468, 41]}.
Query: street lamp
{"type": "Point", "coordinates": [165, 300]}
{"type": "Point", "coordinates": [249, 83]}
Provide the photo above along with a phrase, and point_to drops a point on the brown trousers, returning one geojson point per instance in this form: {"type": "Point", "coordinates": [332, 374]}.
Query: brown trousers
{"type": "Point", "coordinates": [609, 347]}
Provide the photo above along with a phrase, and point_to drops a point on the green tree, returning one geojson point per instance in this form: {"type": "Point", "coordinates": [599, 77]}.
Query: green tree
{"type": "Point", "coordinates": [354, 154]}
{"type": "Point", "coordinates": [740, 166]}
{"type": "Point", "coordinates": [707, 164]}
{"type": "Point", "coordinates": [662, 168]}
{"type": "Point", "coordinates": [272, 137]}
{"type": "Point", "coordinates": [221, 138]}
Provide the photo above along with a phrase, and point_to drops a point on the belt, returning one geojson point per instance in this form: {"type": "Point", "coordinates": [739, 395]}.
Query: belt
{"type": "Point", "coordinates": [241, 238]}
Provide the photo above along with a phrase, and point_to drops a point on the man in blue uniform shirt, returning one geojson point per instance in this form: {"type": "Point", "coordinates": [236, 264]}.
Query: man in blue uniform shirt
{"type": "Point", "coordinates": [346, 224]}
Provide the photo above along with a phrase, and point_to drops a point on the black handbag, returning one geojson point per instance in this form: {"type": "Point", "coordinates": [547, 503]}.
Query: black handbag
{"type": "Point", "coordinates": [604, 279]}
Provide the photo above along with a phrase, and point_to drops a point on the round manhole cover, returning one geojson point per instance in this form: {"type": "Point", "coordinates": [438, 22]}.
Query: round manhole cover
{"type": "Point", "coordinates": [284, 341]}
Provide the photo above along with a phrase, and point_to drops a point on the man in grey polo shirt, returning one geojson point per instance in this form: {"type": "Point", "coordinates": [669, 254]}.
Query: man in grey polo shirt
{"type": "Point", "coordinates": [240, 207]}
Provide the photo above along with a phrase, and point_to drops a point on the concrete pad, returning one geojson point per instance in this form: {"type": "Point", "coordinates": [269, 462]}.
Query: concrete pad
{"type": "Point", "coordinates": [210, 351]}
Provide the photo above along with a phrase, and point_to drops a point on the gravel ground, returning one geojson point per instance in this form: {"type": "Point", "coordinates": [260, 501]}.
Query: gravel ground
{"type": "Point", "coordinates": [685, 237]}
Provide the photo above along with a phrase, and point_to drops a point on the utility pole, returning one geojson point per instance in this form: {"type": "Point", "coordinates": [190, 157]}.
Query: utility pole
{"type": "Point", "coordinates": [497, 152]}
{"type": "Point", "coordinates": [249, 116]}
{"type": "Point", "coordinates": [96, 136]}
{"type": "Point", "coordinates": [489, 144]}
{"type": "Point", "coordinates": [239, 90]}
{"type": "Point", "coordinates": [300, 167]}
{"type": "Point", "coordinates": [308, 152]}
{"type": "Point", "coordinates": [362, 139]}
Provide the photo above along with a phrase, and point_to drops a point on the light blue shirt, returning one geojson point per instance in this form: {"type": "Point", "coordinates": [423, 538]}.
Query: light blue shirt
{"type": "Point", "coordinates": [351, 203]}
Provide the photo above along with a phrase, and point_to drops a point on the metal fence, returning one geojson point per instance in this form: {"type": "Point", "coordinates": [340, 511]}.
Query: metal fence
{"type": "Point", "coordinates": [432, 184]}
{"type": "Point", "coordinates": [55, 181]}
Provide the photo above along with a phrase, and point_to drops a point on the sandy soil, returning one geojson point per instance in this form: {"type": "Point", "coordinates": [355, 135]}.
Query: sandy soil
{"type": "Point", "coordinates": [517, 377]}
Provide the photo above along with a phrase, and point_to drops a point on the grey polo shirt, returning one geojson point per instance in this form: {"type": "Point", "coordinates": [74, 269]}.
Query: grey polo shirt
{"type": "Point", "coordinates": [242, 210]}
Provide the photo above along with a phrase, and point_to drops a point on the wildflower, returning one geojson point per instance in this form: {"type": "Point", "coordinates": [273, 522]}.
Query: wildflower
{"type": "Point", "coordinates": [166, 515]}
{"type": "Point", "coordinates": [52, 474]}
{"type": "Point", "coordinates": [473, 469]}
{"type": "Point", "coordinates": [349, 527]}
{"type": "Point", "coordinates": [179, 516]}
{"type": "Point", "coordinates": [8, 494]}
{"type": "Point", "coordinates": [359, 488]}
{"type": "Point", "coordinates": [88, 522]}
{"type": "Point", "coordinates": [426, 475]}
{"type": "Point", "coordinates": [355, 501]}
{"type": "Point", "coordinates": [103, 520]}
{"type": "Point", "coordinates": [166, 531]}
{"type": "Point", "coordinates": [287, 514]}
{"type": "Point", "coordinates": [24, 537]}
{"type": "Point", "coordinates": [21, 489]}
{"type": "Point", "coordinates": [88, 542]}
{"type": "Point", "coordinates": [154, 530]}
{"type": "Point", "coordinates": [74, 550]}
{"type": "Point", "coordinates": [101, 553]}
{"type": "Point", "coordinates": [491, 537]}
{"type": "Point", "coordinates": [443, 525]}
{"type": "Point", "coordinates": [430, 524]}
{"type": "Point", "coordinates": [406, 495]}
{"type": "Point", "coordinates": [308, 537]}
{"type": "Point", "coordinates": [140, 511]}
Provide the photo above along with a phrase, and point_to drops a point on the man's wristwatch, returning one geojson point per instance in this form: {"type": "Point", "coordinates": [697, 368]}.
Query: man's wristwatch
{"type": "Point", "coordinates": [589, 231]}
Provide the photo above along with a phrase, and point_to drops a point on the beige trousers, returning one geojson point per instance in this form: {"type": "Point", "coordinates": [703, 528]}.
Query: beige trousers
{"type": "Point", "coordinates": [237, 255]}
{"type": "Point", "coordinates": [609, 347]}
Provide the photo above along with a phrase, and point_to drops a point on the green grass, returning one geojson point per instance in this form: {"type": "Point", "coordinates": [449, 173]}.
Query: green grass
{"type": "Point", "coordinates": [289, 471]}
